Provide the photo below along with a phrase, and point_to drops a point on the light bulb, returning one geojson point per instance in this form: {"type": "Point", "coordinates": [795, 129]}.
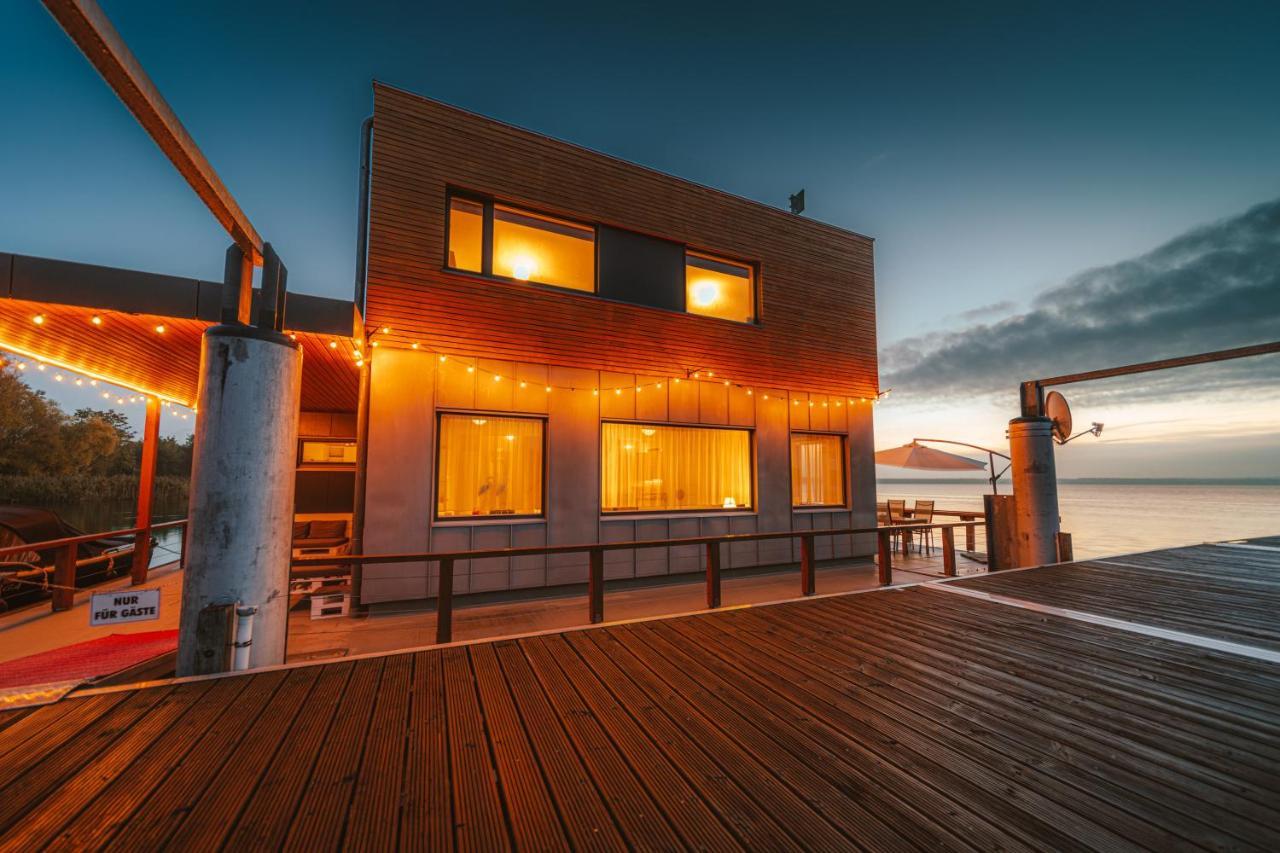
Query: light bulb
{"type": "Point", "coordinates": [333, 344]}
{"type": "Point", "coordinates": [95, 320]}
{"type": "Point", "coordinates": [160, 329]}
{"type": "Point", "coordinates": [38, 319]}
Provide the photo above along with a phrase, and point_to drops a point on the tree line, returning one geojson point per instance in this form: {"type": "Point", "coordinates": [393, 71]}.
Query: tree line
{"type": "Point", "coordinates": [47, 455]}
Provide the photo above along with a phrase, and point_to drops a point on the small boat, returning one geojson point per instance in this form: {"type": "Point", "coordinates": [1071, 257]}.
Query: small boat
{"type": "Point", "coordinates": [25, 576]}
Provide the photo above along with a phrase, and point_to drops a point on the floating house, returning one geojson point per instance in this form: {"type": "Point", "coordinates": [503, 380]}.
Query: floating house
{"type": "Point", "coordinates": [548, 345]}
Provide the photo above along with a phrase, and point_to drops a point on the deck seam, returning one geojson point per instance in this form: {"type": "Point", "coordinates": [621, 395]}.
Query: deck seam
{"type": "Point", "coordinates": [1226, 646]}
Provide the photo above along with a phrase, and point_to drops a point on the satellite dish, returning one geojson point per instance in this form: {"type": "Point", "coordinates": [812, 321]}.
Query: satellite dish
{"type": "Point", "coordinates": [1057, 410]}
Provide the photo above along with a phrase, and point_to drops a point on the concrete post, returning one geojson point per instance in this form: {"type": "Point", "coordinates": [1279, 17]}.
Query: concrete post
{"type": "Point", "coordinates": [1035, 490]}
{"type": "Point", "coordinates": [242, 480]}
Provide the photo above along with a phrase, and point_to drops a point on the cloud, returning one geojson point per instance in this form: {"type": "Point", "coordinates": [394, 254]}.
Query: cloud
{"type": "Point", "coordinates": [1215, 287]}
{"type": "Point", "coordinates": [985, 311]}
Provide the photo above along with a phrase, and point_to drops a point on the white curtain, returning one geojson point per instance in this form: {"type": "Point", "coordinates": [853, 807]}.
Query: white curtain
{"type": "Point", "coordinates": [489, 466]}
{"type": "Point", "coordinates": [647, 467]}
{"type": "Point", "coordinates": [817, 470]}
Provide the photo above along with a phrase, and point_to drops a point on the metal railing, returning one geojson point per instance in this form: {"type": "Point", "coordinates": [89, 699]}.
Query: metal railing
{"type": "Point", "coordinates": [63, 586]}
{"type": "Point", "coordinates": [313, 567]}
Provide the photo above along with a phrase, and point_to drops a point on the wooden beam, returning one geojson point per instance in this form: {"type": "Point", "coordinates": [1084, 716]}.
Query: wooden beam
{"type": "Point", "coordinates": [146, 486]}
{"type": "Point", "coordinates": [87, 26]}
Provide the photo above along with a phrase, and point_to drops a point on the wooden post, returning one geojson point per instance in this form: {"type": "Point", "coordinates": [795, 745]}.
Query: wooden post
{"type": "Point", "coordinates": [949, 552]}
{"type": "Point", "coordinates": [970, 541]}
{"type": "Point", "coordinates": [444, 602]}
{"type": "Point", "coordinates": [146, 486]}
{"type": "Point", "coordinates": [713, 574]}
{"type": "Point", "coordinates": [214, 627]}
{"type": "Point", "coordinates": [64, 578]}
{"type": "Point", "coordinates": [595, 586]}
{"type": "Point", "coordinates": [807, 581]}
{"type": "Point", "coordinates": [884, 566]}
{"type": "Point", "coordinates": [1065, 552]}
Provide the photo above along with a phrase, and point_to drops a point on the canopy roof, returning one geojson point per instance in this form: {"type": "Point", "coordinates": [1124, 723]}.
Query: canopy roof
{"type": "Point", "coordinates": [148, 335]}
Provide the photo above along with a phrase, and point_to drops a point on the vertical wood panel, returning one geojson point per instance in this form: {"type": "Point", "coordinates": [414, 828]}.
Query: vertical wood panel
{"type": "Point", "coordinates": [618, 396]}
{"type": "Point", "coordinates": [683, 400]}
{"type": "Point", "coordinates": [573, 471]}
{"type": "Point", "coordinates": [713, 403]}
{"type": "Point", "coordinates": [651, 403]}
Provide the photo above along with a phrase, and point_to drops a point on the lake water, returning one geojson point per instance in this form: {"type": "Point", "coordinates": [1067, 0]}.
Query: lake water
{"type": "Point", "coordinates": [101, 516]}
{"type": "Point", "coordinates": [1114, 518]}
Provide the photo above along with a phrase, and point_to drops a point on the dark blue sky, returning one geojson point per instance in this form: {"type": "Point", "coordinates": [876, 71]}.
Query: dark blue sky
{"type": "Point", "coordinates": [993, 149]}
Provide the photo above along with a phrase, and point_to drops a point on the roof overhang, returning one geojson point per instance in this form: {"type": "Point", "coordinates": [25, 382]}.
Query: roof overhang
{"type": "Point", "coordinates": [150, 326]}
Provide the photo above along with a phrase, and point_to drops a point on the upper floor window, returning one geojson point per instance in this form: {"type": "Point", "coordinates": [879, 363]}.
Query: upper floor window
{"type": "Point", "coordinates": [715, 287]}
{"type": "Point", "coordinates": [501, 240]}
{"type": "Point", "coordinates": [497, 239]}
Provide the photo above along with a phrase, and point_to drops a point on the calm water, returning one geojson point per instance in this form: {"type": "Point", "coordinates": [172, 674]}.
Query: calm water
{"type": "Point", "coordinates": [117, 515]}
{"type": "Point", "coordinates": [1105, 518]}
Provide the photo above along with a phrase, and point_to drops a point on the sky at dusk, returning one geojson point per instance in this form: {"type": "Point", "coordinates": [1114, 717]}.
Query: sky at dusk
{"type": "Point", "coordinates": [1052, 187]}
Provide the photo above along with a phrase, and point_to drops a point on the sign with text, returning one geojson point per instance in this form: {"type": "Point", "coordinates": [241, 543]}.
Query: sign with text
{"type": "Point", "coordinates": [117, 608]}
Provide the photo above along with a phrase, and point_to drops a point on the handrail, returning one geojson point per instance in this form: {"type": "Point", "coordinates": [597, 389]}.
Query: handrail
{"type": "Point", "coordinates": [310, 567]}
{"type": "Point", "coordinates": [63, 588]}
{"type": "Point", "coordinates": [536, 550]}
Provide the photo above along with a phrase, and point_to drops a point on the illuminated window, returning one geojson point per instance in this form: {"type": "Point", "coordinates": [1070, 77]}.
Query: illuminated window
{"type": "Point", "coordinates": [489, 466]}
{"type": "Point", "coordinates": [531, 247]}
{"type": "Point", "coordinates": [505, 241]}
{"type": "Point", "coordinates": [817, 470]}
{"type": "Point", "coordinates": [319, 452]}
{"type": "Point", "coordinates": [466, 234]}
{"type": "Point", "coordinates": [715, 287]}
{"type": "Point", "coordinates": [649, 468]}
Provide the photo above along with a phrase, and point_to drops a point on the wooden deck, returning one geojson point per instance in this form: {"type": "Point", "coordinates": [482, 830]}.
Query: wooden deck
{"type": "Point", "coordinates": [909, 717]}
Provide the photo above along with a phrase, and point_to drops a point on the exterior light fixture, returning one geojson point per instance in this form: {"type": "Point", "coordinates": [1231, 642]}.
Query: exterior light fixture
{"type": "Point", "coordinates": [497, 378]}
{"type": "Point", "coordinates": [548, 389]}
{"type": "Point", "coordinates": [160, 329]}
{"type": "Point", "coordinates": [471, 368]}
{"type": "Point", "coordinates": [95, 320]}
{"type": "Point", "coordinates": [57, 377]}
{"type": "Point", "coordinates": [386, 330]}
{"type": "Point", "coordinates": [524, 384]}
{"type": "Point", "coordinates": [442, 358]}
{"type": "Point", "coordinates": [374, 344]}
{"type": "Point", "coordinates": [38, 319]}
{"type": "Point", "coordinates": [411, 346]}
{"type": "Point", "coordinates": [333, 344]}
{"type": "Point", "coordinates": [749, 392]}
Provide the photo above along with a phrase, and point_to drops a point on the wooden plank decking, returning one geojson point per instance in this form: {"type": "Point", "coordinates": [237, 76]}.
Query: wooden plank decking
{"type": "Point", "coordinates": [884, 720]}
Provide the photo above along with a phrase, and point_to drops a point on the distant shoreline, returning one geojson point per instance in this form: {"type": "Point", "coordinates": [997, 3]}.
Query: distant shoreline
{"type": "Point", "coordinates": [1103, 481]}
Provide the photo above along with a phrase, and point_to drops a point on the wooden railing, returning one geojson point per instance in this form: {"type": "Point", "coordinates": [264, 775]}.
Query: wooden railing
{"type": "Point", "coordinates": [63, 586]}
{"type": "Point", "coordinates": [312, 567]}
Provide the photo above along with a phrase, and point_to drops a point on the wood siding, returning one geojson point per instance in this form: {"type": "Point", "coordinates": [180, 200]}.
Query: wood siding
{"type": "Point", "coordinates": [816, 329]}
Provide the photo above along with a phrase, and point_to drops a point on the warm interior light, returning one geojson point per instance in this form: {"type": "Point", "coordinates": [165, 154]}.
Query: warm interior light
{"type": "Point", "coordinates": [479, 421]}
{"type": "Point", "coordinates": [704, 293]}
{"type": "Point", "coordinates": [524, 268]}
{"type": "Point", "coordinates": [511, 438]}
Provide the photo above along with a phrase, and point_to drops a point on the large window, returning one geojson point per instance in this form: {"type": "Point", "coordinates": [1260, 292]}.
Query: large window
{"type": "Point", "coordinates": [817, 470]}
{"type": "Point", "coordinates": [319, 451]}
{"type": "Point", "coordinates": [715, 287]}
{"type": "Point", "coordinates": [489, 466]}
{"type": "Point", "coordinates": [501, 240]}
{"type": "Point", "coordinates": [651, 468]}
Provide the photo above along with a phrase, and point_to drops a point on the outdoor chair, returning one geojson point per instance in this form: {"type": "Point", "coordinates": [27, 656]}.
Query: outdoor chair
{"type": "Point", "coordinates": [897, 514]}
{"type": "Point", "coordinates": [922, 513]}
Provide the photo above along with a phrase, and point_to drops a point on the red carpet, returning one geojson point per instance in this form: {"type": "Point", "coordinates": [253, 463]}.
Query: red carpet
{"type": "Point", "coordinates": [89, 659]}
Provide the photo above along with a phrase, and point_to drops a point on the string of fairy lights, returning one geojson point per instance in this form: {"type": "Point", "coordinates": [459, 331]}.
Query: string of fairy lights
{"type": "Point", "coordinates": [697, 375]}
{"type": "Point", "coordinates": [103, 388]}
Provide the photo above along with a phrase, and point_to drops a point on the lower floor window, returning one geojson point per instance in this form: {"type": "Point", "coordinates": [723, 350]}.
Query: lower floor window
{"type": "Point", "coordinates": [817, 470]}
{"type": "Point", "coordinates": [648, 468]}
{"type": "Point", "coordinates": [489, 466]}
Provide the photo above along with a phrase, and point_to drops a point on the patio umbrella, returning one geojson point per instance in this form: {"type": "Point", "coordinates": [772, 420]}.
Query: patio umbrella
{"type": "Point", "coordinates": [916, 455]}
